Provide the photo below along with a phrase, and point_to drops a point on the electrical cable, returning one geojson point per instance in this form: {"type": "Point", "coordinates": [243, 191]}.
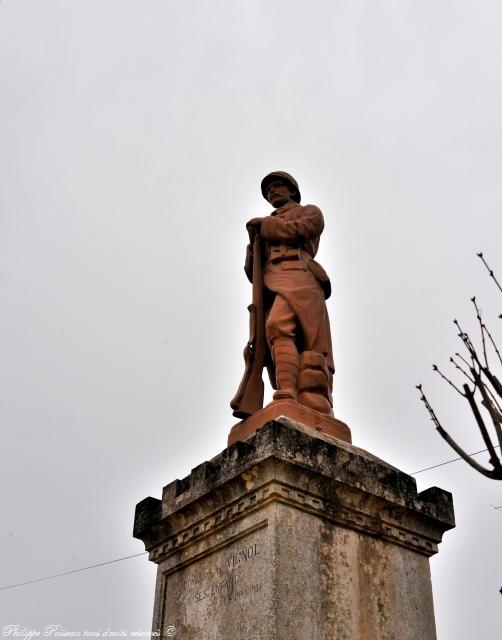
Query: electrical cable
{"type": "Point", "coordinates": [102, 564]}
{"type": "Point", "coordinates": [65, 573]}
{"type": "Point", "coordinates": [441, 464]}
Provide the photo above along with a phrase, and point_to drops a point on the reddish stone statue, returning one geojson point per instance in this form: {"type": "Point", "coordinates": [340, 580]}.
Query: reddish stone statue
{"type": "Point", "coordinates": [290, 332]}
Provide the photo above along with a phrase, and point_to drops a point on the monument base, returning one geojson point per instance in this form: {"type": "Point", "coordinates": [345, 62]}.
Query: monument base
{"type": "Point", "coordinates": [294, 536]}
{"type": "Point", "coordinates": [295, 411]}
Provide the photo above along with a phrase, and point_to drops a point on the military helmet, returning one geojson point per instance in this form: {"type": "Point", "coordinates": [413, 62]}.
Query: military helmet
{"type": "Point", "coordinates": [283, 177]}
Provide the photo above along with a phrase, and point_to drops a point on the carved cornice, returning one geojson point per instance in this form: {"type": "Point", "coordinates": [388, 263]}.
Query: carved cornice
{"type": "Point", "coordinates": [281, 463]}
{"type": "Point", "coordinates": [343, 515]}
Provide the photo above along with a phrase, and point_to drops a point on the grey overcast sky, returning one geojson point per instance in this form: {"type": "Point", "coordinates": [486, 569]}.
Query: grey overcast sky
{"type": "Point", "coordinates": [133, 137]}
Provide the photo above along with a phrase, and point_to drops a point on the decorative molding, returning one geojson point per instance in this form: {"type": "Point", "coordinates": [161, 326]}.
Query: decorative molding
{"type": "Point", "coordinates": [343, 515]}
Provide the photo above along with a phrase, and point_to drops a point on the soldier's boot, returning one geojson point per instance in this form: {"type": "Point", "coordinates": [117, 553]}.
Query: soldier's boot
{"type": "Point", "coordinates": [315, 382]}
{"type": "Point", "coordinates": [285, 356]}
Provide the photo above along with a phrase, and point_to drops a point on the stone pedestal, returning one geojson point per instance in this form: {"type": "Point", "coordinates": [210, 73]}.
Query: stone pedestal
{"type": "Point", "coordinates": [320, 422]}
{"type": "Point", "coordinates": [293, 535]}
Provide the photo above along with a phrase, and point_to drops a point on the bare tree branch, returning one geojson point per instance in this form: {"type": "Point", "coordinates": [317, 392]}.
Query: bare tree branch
{"type": "Point", "coordinates": [493, 344]}
{"type": "Point", "coordinates": [484, 433]}
{"type": "Point", "coordinates": [495, 474]}
{"type": "Point", "coordinates": [437, 370]}
{"type": "Point", "coordinates": [483, 381]}
{"type": "Point", "coordinates": [484, 388]}
{"type": "Point", "coordinates": [481, 327]}
{"type": "Point", "coordinates": [490, 271]}
{"type": "Point", "coordinates": [494, 411]}
{"type": "Point", "coordinates": [457, 366]}
{"type": "Point", "coordinates": [461, 357]}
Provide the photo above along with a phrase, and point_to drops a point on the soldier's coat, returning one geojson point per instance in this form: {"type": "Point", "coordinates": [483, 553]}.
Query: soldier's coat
{"type": "Point", "coordinates": [291, 234]}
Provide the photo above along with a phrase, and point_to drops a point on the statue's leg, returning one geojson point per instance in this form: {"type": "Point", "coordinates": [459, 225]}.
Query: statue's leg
{"type": "Point", "coordinates": [281, 327]}
{"type": "Point", "coordinates": [286, 368]}
{"type": "Point", "coordinates": [315, 382]}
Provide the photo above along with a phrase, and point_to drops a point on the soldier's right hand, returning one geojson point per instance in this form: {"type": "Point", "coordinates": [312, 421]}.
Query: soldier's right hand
{"type": "Point", "coordinates": [254, 227]}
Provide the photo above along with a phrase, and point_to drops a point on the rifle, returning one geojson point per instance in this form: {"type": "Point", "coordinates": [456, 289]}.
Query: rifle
{"type": "Point", "coordinates": [249, 396]}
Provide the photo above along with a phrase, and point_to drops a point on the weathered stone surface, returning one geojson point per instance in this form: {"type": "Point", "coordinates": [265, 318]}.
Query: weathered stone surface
{"type": "Point", "coordinates": [320, 422]}
{"type": "Point", "coordinates": [294, 535]}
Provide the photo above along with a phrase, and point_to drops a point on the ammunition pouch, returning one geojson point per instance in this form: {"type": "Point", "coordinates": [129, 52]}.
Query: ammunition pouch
{"type": "Point", "coordinates": [320, 275]}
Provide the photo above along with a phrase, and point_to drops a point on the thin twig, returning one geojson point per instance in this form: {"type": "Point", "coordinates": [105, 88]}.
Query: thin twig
{"type": "Point", "coordinates": [490, 271]}
{"type": "Point", "coordinates": [461, 357]}
{"type": "Point", "coordinates": [437, 370]}
{"type": "Point", "coordinates": [464, 336]}
{"type": "Point", "coordinates": [481, 327]}
{"type": "Point", "coordinates": [457, 366]}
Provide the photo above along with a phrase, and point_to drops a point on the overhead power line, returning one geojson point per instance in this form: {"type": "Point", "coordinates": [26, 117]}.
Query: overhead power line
{"type": "Point", "coordinates": [102, 564]}
{"type": "Point", "coordinates": [65, 573]}
{"type": "Point", "coordinates": [441, 464]}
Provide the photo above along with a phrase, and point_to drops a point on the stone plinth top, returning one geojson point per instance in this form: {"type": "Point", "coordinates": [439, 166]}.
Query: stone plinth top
{"type": "Point", "coordinates": [345, 484]}
{"type": "Point", "coordinates": [298, 413]}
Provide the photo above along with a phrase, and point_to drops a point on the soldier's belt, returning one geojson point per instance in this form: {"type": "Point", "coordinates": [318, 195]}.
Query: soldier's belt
{"type": "Point", "coordinates": [279, 252]}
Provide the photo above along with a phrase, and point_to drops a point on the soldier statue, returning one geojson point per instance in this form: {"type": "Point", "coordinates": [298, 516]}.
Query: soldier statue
{"type": "Point", "coordinates": [290, 332]}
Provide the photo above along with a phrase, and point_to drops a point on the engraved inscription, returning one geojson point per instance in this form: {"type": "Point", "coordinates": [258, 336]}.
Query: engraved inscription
{"type": "Point", "coordinates": [225, 588]}
{"type": "Point", "coordinates": [241, 556]}
{"type": "Point", "coordinates": [209, 595]}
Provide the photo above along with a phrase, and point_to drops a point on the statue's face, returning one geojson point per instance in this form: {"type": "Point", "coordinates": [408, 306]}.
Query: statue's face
{"type": "Point", "coordinates": [278, 193]}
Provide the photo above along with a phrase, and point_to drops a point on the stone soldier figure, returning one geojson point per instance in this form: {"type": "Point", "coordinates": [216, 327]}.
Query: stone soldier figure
{"type": "Point", "coordinates": [299, 355]}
